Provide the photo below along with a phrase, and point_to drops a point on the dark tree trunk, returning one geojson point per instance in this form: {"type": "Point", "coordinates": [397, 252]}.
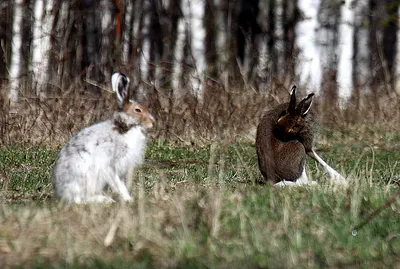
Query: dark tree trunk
{"type": "Point", "coordinates": [290, 18]}
{"type": "Point", "coordinates": [329, 17]}
{"type": "Point", "coordinates": [74, 44]}
{"type": "Point", "coordinates": [234, 76]}
{"type": "Point", "coordinates": [67, 42]}
{"type": "Point", "coordinates": [210, 39]}
{"type": "Point", "coordinates": [126, 11]}
{"type": "Point", "coordinates": [375, 63]}
{"type": "Point", "coordinates": [247, 26]}
{"type": "Point", "coordinates": [55, 44]}
{"type": "Point", "coordinates": [5, 35]}
{"type": "Point", "coordinates": [361, 55]}
{"type": "Point", "coordinates": [170, 29]}
{"type": "Point", "coordinates": [138, 18]}
{"type": "Point", "coordinates": [108, 35]}
{"type": "Point", "coordinates": [26, 47]}
{"type": "Point", "coordinates": [272, 53]}
{"type": "Point", "coordinates": [155, 37]}
{"type": "Point", "coordinates": [247, 32]}
{"type": "Point", "coordinates": [118, 20]}
{"type": "Point", "coordinates": [90, 39]}
{"type": "Point", "coordinates": [390, 40]}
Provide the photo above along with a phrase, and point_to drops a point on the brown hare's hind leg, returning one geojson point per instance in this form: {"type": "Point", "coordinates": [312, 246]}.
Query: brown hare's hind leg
{"type": "Point", "coordinates": [333, 174]}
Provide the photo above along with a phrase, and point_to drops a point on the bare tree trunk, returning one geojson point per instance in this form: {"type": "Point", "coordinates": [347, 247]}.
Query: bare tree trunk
{"type": "Point", "coordinates": [17, 60]}
{"type": "Point", "coordinates": [210, 47]}
{"type": "Point", "coordinates": [127, 29]}
{"type": "Point", "coordinates": [75, 45]}
{"type": "Point", "coordinates": [389, 41]}
{"type": "Point", "coordinates": [5, 34]}
{"type": "Point", "coordinates": [355, 94]}
{"type": "Point", "coordinates": [90, 39]}
{"type": "Point", "coordinates": [272, 53]}
{"type": "Point", "coordinates": [53, 50]}
{"type": "Point", "coordinates": [155, 39]}
{"type": "Point", "coordinates": [106, 35]}
{"type": "Point", "coordinates": [63, 28]}
{"type": "Point", "coordinates": [329, 18]}
{"type": "Point", "coordinates": [26, 78]}
{"type": "Point", "coordinates": [345, 50]}
{"type": "Point", "coordinates": [247, 32]}
{"type": "Point", "coordinates": [133, 39]}
{"type": "Point", "coordinates": [222, 46]}
{"type": "Point", "coordinates": [290, 18]}
{"type": "Point", "coordinates": [144, 42]}
{"type": "Point", "coordinates": [308, 65]}
{"type": "Point", "coordinates": [170, 30]}
{"type": "Point", "coordinates": [40, 56]}
{"type": "Point", "coordinates": [234, 75]}
{"type": "Point", "coordinates": [361, 55]}
{"type": "Point", "coordinates": [375, 63]}
{"type": "Point", "coordinates": [138, 37]}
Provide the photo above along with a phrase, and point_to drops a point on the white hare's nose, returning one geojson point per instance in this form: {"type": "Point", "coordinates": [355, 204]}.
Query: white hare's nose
{"type": "Point", "coordinates": [148, 122]}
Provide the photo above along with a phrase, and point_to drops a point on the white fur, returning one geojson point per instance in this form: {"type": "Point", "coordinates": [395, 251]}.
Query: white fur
{"type": "Point", "coordinates": [333, 174]}
{"type": "Point", "coordinates": [301, 181]}
{"type": "Point", "coordinates": [101, 155]}
{"type": "Point", "coordinates": [95, 157]}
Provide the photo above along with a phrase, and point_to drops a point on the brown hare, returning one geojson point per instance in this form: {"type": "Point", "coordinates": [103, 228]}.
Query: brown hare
{"type": "Point", "coordinates": [284, 137]}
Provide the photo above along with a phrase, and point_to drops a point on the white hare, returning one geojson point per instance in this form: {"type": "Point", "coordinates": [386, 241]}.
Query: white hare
{"type": "Point", "coordinates": [100, 155]}
{"type": "Point", "coordinates": [284, 137]}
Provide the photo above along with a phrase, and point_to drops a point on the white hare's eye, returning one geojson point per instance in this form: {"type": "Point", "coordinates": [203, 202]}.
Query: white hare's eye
{"type": "Point", "coordinates": [138, 110]}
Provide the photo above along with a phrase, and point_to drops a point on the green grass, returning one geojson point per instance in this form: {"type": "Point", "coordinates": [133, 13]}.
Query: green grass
{"type": "Point", "coordinates": [197, 207]}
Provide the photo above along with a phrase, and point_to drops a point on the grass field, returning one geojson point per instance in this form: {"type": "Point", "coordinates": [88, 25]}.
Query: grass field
{"type": "Point", "coordinates": [197, 207]}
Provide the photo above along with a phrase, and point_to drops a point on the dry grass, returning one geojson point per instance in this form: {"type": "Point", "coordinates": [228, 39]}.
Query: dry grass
{"type": "Point", "coordinates": [204, 227]}
{"type": "Point", "coordinates": [220, 114]}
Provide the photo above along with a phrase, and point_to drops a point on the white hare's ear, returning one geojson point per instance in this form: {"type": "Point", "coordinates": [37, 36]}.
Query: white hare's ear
{"type": "Point", "coordinates": [120, 85]}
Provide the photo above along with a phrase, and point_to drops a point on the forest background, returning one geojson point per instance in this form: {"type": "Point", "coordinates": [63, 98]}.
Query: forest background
{"type": "Point", "coordinates": [201, 66]}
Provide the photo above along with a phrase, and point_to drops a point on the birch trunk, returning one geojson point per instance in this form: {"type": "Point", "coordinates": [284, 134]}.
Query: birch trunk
{"type": "Point", "coordinates": [16, 59]}
{"type": "Point", "coordinates": [345, 66]}
{"type": "Point", "coordinates": [329, 18]}
{"type": "Point", "coordinates": [309, 62]}
{"type": "Point", "coordinates": [43, 21]}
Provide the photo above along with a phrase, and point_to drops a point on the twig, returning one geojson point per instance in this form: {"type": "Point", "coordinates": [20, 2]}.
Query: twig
{"type": "Point", "coordinates": [113, 229]}
{"type": "Point", "coordinates": [376, 212]}
{"type": "Point", "coordinates": [92, 82]}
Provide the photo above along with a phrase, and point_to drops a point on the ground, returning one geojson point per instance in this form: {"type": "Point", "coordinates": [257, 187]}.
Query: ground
{"type": "Point", "coordinates": [198, 207]}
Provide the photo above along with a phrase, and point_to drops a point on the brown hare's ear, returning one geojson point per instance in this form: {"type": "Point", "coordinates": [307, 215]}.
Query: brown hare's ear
{"type": "Point", "coordinates": [304, 106]}
{"type": "Point", "coordinates": [292, 103]}
{"type": "Point", "coordinates": [120, 85]}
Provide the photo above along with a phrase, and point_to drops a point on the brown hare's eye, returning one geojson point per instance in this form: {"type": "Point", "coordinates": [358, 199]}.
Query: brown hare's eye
{"type": "Point", "coordinates": [138, 110]}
